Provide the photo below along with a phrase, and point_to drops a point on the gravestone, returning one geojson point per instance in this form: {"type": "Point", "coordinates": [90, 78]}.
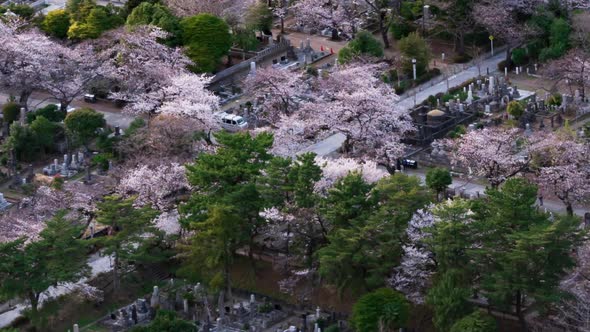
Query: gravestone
{"type": "Point", "coordinates": [4, 204]}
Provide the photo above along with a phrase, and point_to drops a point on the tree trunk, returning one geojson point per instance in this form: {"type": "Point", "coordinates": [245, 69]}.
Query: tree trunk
{"type": "Point", "coordinates": [519, 312]}
{"type": "Point", "coordinates": [383, 30]}
{"type": "Point", "coordinates": [24, 99]}
{"type": "Point", "coordinates": [334, 34]}
{"type": "Point", "coordinates": [88, 164]}
{"type": "Point", "coordinates": [570, 210]}
{"type": "Point", "coordinates": [34, 299]}
{"type": "Point", "coordinates": [508, 57]}
{"type": "Point", "coordinates": [282, 25]}
{"type": "Point", "coordinates": [226, 276]}
{"type": "Point", "coordinates": [460, 43]}
{"type": "Point", "coordinates": [63, 107]}
{"type": "Point", "coordinates": [116, 282]}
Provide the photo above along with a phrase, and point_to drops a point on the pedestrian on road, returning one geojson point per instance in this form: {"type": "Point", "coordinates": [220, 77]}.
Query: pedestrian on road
{"type": "Point", "coordinates": [540, 200]}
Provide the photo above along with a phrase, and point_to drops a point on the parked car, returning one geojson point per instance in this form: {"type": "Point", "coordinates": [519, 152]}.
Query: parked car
{"type": "Point", "coordinates": [90, 98]}
{"type": "Point", "coordinates": [69, 108]}
{"type": "Point", "coordinates": [231, 122]}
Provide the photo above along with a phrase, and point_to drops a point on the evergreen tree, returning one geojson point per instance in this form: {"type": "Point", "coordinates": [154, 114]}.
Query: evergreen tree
{"type": "Point", "coordinates": [522, 254]}
{"type": "Point", "coordinates": [368, 229]}
{"type": "Point", "coordinates": [438, 179]}
{"type": "Point", "coordinates": [227, 202]}
{"type": "Point", "coordinates": [381, 310]}
{"type": "Point", "coordinates": [448, 298]}
{"type": "Point", "coordinates": [27, 269]}
{"type": "Point", "coordinates": [132, 234]}
{"type": "Point", "coordinates": [207, 39]}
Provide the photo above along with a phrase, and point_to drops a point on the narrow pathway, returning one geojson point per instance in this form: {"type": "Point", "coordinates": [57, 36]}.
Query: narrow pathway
{"type": "Point", "coordinates": [490, 64]}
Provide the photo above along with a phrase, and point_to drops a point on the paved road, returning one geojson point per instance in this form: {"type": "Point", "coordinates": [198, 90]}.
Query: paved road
{"type": "Point", "coordinates": [457, 79]}
{"type": "Point", "coordinates": [112, 114]}
{"type": "Point", "coordinates": [473, 187]}
{"type": "Point", "coordinates": [326, 147]}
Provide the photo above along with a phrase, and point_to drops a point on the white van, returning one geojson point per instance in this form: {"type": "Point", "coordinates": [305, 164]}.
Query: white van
{"type": "Point", "coordinates": [70, 109]}
{"type": "Point", "coordinates": [232, 122]}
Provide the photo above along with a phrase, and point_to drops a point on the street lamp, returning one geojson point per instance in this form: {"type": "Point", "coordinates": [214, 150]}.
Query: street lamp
{"type": "Point", "coordinates": [424, 15]}
{"type": "Point", "coordinates": [414, 68]}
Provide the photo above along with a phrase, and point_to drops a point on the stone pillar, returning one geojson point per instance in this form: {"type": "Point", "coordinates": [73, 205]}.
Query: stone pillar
{"type": "Point", "coordinates": [253, 68]}
{"type": "Point", "coordinates": [491, 87]}
{"type": "Point", "coordinates": [22, 116]}
{"type": "Point", "coordinates": [76, 328]}
{"type": "Point", "coordinates": [155, 299]}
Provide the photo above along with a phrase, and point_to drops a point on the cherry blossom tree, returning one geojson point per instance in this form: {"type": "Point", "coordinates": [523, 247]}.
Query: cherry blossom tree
{"type": "Point", "coordinates": [154, 80]}
{"type": "Point", "coordinates": [291, 136]}
{"type": "Point", "coordinates": [334, 169]}
{"type": "Point", "coordinates": [167, 138]}
{"type": "Point", "coordinates": [412, 276]}
{"type": "Point", "coordinates": [501, 19]}
{"type": "Point", "coordinates": [356, 103]}
{"type": "Point", "coordinates": [69, 71]}
{"type": "Point", "coordinates": [277, 88]}
{"type": "Point", "coordinates": [24, 57]}
{"type": "Point", "coordinates": [574, 66]}
{"type": "Point", "coordinates": [564, 166]}
{"type": "Point", "coordinates": [334, 14]}
{"type": "Point", "coordinates": [494, 153]}
{"type": "Point", "coordinates": [141, 66]}
{"type": "Point", "coordinates": [230, 10]}
{"type": "Point", "coordinates": [29, 61]}
{"type": "Point", "coordinates": [157, 186]}
{"type": "Point", "coordinates": [351, 100]}
{"type": "Point", "coordinates": [168, 222]}
{"type": "Point", "coordinates": [573, 312]}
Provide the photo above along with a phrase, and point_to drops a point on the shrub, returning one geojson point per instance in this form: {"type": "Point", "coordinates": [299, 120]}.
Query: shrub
{"type": "Point", "coordinates": [519, 56]}
{"type": "Point", "coordinates": [461, 58]}
{"type": "Point", "coordinates": [431, 100]}
{"type": "Point", "coordinates": [332, 328]}
{"type": "Point", "coordinates": [428, 75]}
{"type": "Point", "coordinates": [502, 65]}
{"type": "Point", "coordinates": [10, 111]}
{"type": "Point", "coordinates": [534, 48]}
{"type": "Point", "coordinates": [102, 161]}
{"type": "Point", "coordinates": [475, 322]}
{"type": "Point", "coordinates": [457, 132]}
{"type": "Point", "coordinates": [558, 40]}
{"type": "Point", "coordinates": [56, 23]}
{"type": "Point", "coordinates": [401, 87]}
{"type": "Point", "coordinates": [555, 99]}
{"type": "Point", "coordinates": [50, 112]}
{"type": "Point", "coordinates": [383, 304]}
{"type": "Point", "coordinates": [363, 44]}
{"type": "Point", "coordinates": [515, 108]}
{"type": "Point", "coordinates": [400, 29]}
{"type": "Point", "coordinates": [414, 47]}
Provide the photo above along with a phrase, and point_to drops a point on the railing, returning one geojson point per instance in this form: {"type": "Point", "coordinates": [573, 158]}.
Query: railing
{"type": "Point", "coordinates": [281, 46]}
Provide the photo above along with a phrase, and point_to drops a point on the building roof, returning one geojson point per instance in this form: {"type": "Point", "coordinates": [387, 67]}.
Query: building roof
{"type": "Point", "coordinates": [436, 113]}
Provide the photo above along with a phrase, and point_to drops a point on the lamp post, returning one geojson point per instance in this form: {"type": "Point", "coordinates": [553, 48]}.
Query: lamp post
{"type": "Point", "coordinates": [414, 68]}
{"type": "Point", "coordinates": [492, 44]}
{"type": "Point", "coordinates": [424, 15]}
